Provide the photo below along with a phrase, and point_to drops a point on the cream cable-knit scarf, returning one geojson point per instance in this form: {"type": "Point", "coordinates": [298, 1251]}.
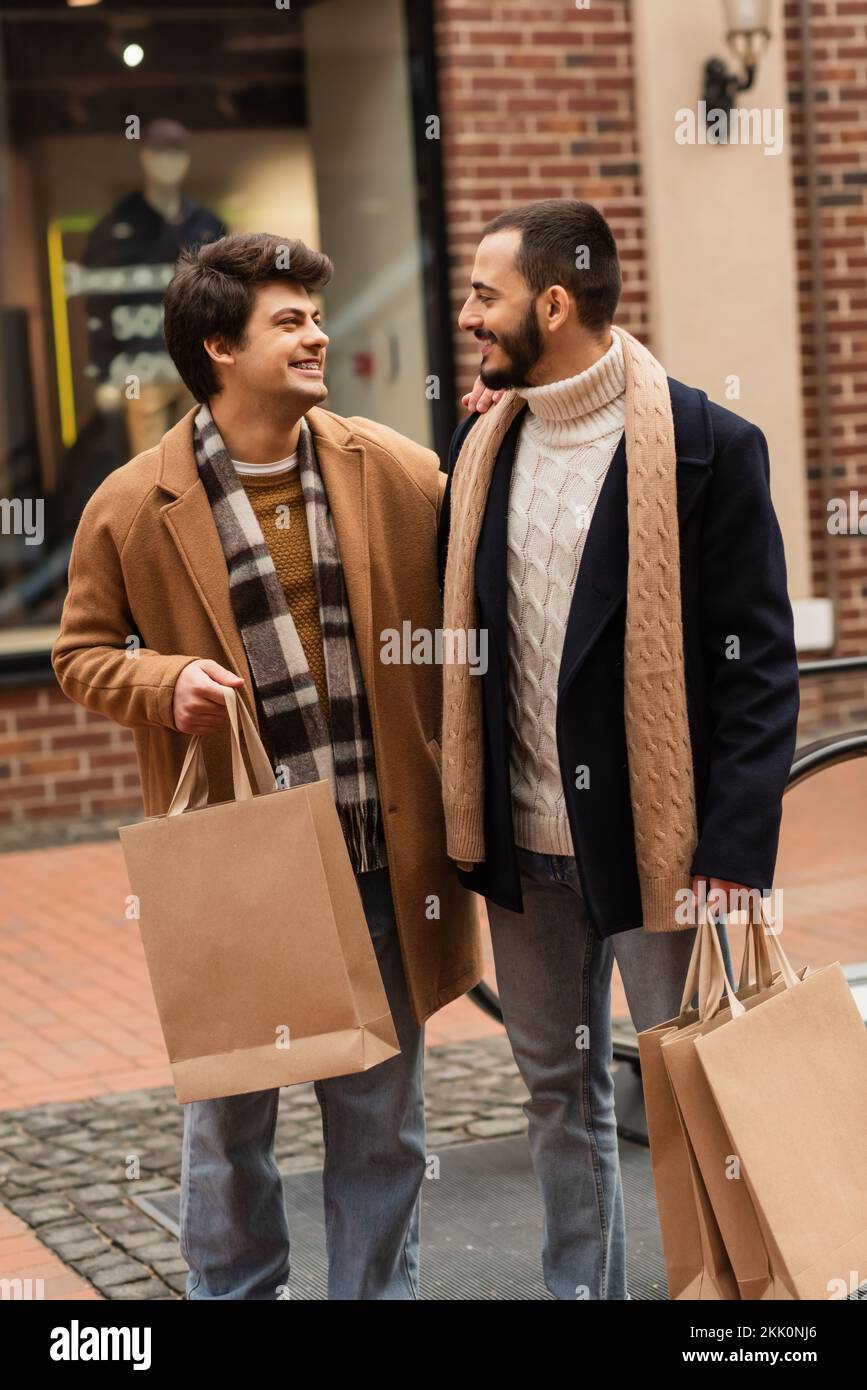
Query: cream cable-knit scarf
{"type": "Point", "coordinates": [657, 730]}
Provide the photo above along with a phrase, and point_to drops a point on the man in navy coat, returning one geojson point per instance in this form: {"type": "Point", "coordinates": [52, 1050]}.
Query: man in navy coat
{"type": "Point", "coordinates": [560, 874]}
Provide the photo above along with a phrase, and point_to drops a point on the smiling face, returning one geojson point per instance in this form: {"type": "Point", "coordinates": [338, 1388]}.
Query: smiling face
{"type": "Point", "coordinates": [281, 360]}
{"type": "Point", "coordinates": [502, 314]}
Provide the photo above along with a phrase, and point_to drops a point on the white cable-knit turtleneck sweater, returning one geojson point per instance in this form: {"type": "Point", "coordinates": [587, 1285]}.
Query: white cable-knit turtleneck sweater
{"type": "Point", "coordinates": [567, 441]}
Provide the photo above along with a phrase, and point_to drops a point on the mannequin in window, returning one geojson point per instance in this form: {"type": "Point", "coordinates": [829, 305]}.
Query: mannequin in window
{"type": "Point", "coordinates": [137, 244]}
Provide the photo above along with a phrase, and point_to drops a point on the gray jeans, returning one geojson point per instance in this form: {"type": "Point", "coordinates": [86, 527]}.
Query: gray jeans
{"type": "Point", "coordinates": [234, 1234]}
{"type": "Point", "coordinates": [554, 981]}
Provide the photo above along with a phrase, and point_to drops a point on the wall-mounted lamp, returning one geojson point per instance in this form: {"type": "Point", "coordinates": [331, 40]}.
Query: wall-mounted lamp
{"type": "Point", "coordinates": [747, 35]}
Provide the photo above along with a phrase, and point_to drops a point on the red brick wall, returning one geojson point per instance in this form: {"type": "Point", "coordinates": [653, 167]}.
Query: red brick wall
{"type": "Point", "coordinates": [537, 101]}
{"type": "Point", "coordinates": [839, 32]}
{"type": "Point", "coordinates": [57, 760]}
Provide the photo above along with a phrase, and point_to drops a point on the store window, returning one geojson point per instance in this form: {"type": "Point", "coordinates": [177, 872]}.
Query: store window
{"type": "Point", "coordinates": [129, 130]}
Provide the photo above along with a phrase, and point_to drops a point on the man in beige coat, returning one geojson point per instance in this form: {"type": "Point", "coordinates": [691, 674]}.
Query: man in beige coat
{"type": "Point", "coordinates": [192, 570]}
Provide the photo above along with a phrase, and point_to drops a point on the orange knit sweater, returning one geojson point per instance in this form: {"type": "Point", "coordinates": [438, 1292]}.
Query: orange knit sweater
{"type": "Point", "coordinates": [278, 501]}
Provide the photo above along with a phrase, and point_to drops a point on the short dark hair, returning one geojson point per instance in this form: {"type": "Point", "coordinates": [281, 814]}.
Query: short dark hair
{"type": "Point", "coordinates": [213, 291]}
{"type": "Point", "coordinates": [552, 230]}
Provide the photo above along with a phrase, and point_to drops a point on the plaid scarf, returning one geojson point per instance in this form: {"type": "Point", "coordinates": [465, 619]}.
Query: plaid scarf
{"type": "Point", "coordinates": [293, 724]}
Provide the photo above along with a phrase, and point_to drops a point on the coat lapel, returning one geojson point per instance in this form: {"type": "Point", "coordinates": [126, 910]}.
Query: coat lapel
{"type": "Point", "coordinates": [344, 473]}
{"type": "Point", "coordinates": [491, 555]}
{"type": "Point", "coordinates": [189, 522]}
{"type": "Point", "coordinates": [600, 587]}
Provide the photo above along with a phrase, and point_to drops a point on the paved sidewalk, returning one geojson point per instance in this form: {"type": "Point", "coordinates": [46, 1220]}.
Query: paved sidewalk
{"type": "Point", "coordinates": [72, 1172]}
{"type": "Point", "coordinates": [85, 1086]}
{"type": "Point", "coordinates": [31, 1269]}
{"type": "Point", "coordinates": [77, 1016]}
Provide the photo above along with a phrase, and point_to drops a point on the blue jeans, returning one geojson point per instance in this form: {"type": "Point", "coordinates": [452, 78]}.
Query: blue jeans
{"type": "Point", "coordinates": [234, 1234]}
{"type": "Point", "coordinates": [554, 981]}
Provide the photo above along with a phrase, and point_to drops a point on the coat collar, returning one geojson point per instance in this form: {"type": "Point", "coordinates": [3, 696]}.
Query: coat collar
{"type": "Point", "coordinates": [187, 515]}
{"type": "Point", "coordinates": [600, 586]}
{"type": "Point", "coordinates": [176, 468]}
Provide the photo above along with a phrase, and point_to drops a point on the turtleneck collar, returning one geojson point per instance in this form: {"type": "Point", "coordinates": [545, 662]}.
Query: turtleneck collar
{"type": "Point", "coordinates": [591, 392]}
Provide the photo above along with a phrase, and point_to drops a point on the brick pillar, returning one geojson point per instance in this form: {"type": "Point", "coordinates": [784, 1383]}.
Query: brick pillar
{"type": "Point", "coordinates": [839, 31]}
{"type": "Point", "coordinates": [538, 102]}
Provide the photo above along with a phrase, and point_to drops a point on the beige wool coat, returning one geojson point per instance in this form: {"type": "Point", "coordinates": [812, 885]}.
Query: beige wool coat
{"type": "Point", "coordinates": [147, 563]}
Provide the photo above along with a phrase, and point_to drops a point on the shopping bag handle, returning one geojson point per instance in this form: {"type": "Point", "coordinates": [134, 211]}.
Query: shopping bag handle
{"type": "Point", "coordinates": [755, 944]}
{"type": "Point", "coordinates": [191, 792]}
{"type": "Point", "coordinates": [707, 973]}
{"type": "Point", "coordinates": [787, 970]}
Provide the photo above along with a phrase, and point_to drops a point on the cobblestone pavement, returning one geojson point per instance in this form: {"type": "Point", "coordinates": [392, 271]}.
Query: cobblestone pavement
{"type": "Point", "coordinates": [70, 1170]}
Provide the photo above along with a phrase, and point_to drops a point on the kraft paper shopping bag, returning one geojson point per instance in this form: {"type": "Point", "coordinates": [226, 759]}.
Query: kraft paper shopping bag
{"type": "Point", "coordinates": [789, 1078]}
{"type": "Point", "coordinates": [255, 937]}
{"type": "Point", "coordinates": [718, 1176]}
{"type": "Point", "coordinates": [696, 1260]}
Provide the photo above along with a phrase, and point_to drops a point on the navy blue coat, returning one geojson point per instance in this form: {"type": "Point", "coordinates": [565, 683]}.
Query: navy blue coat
{"type": "Point", "coordinates": [743, 713]}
